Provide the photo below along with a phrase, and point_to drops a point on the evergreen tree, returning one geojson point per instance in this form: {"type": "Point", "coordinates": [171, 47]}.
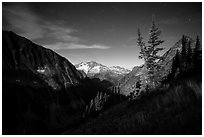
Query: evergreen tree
{"type": "Point", "coordinates": [105, 98]}
{"type": "Point", "coordinates": [91, 105]}
{"type": "Point", "coordinates": [175, 64]}
{"type": "Point", "coordinates": [152, 52]}
{"type": "Point", "coordinates": [189, 56]}
{"type": "Point", "coordinates": [143, 55]}
{"type": "Point", "coordinates": [175, 69]}
{"type": "Point", "coordinates": [197, 55]}
{"type": "Point", "coordinates": [141, 44]}
{"type": "Point", "coordinates": [97, 101]}
{"type": "Point", "coordinates": [150, 55]}
{"type": "Point", "coordinates": [183, 53]}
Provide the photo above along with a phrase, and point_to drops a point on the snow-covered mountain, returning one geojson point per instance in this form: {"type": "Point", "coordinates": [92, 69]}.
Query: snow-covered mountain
{"type": "Point", "coordinates": [119, 70]}
{"type": "Point", "coordinates": [96, 70]}
{"type": "Point", "coordinates": [93, 67]}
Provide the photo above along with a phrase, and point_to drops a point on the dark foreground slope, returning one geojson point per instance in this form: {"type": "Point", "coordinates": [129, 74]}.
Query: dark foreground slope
{"type": "Point", "coordinates": [42, 92]}
{"type": "Point", "coordinates": [173, 111]}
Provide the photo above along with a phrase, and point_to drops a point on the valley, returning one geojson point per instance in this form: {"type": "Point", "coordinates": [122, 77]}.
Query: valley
{"type": "Point", "coordinates": [68, 100]}
{"type": "Point", "coordinates": [101, 68]}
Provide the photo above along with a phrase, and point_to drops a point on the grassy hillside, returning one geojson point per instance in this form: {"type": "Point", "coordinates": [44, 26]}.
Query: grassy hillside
{"type": "Point", "coordinates": [174, 110]}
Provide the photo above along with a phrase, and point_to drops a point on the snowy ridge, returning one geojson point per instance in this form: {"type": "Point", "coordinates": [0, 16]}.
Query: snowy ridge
{"type": "Point", "coordinates": [94, 67]}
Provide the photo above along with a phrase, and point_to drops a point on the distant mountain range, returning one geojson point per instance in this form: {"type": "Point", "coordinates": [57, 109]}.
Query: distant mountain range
{"type": "Point", "coordinates": [93, 69]}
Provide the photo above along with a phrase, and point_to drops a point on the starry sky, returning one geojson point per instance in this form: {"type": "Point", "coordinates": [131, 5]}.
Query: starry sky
{"type": "Point", "coordinates": [104, 32]}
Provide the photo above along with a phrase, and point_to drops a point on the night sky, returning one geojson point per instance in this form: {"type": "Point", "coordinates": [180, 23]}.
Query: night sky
{"type": "Point", "coordinates": [101, 32]}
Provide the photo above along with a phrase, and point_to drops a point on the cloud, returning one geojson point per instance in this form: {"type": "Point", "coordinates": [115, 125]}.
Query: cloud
{"type": "Point", "coordinates": [131, 40]}
{"type": "Point", "coordinates": [170, 21]}
{"type": "Point", "coordinates": [61, 45]}
{"type": "Point", "coordinates": [61, 33]}
{"type": "Point", "coordinates": [21, 19]}
{"type": "Point", "coordinates": [80, 46]}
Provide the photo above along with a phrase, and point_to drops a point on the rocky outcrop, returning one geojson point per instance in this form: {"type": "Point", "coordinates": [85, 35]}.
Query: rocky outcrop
{"type": "Point", "coordinates": [128, 82]}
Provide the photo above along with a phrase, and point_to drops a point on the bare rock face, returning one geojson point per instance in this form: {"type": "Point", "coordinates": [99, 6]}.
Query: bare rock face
{"type": "Point", "coordinates": [21, 54]}
{"type": "Point", "coordinates": [166, 63]}
{"type": "Point", "coordinates": [128, 82]}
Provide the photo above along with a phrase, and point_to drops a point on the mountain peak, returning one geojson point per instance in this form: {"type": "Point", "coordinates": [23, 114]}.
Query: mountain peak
{"type": "Point", "coordinates": [95, 67]}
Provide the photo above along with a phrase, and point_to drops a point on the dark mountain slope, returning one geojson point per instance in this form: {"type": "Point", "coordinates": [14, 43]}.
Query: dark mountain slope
{"type": "Point", "coordinates": [21, 54]}
{"type": "Point", "coordinates": [42, 91]}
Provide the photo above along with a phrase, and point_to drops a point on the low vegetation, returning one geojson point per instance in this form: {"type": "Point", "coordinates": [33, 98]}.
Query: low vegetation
{"type": "Point", "coordinates": [173, 110]}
